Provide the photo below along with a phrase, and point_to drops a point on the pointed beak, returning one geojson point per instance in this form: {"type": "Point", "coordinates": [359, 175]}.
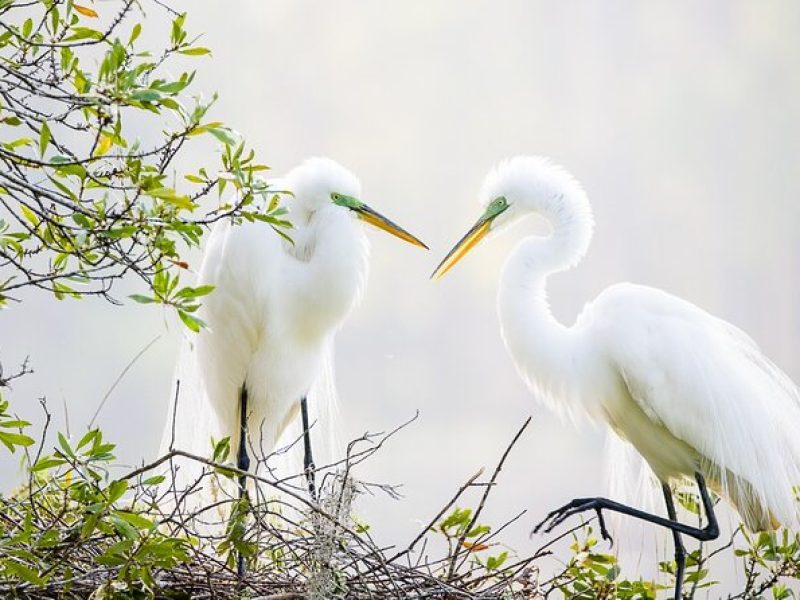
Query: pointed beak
{"type": "Point", "coordinates": [471, 238]}
{"type": "Point", "coordinates": [464, 245]}
{"type": "Point", "coordinates": [374, 218]}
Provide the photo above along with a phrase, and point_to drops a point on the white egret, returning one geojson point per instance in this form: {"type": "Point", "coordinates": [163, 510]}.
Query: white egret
{"type": "Point", "coordinates": [272, 315]}
{"type": "Point", "coordinates": [692, 393]}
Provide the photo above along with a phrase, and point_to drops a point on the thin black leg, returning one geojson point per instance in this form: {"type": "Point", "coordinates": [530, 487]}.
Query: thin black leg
{"type": "Point", "coordinates": [704, 534]}
{"type": "Point", "coordinates": [242, 459]}
{"type": "Point", "coordinates": [308, 458]}
{"type": "Point", "coordinates": [680, 550]}
{"type": "Point", "coordinates": [243, 463]}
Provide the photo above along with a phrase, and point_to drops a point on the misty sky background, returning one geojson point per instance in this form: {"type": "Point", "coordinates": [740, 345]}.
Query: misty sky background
{"type": "Point", "coordinates": [682, 121]}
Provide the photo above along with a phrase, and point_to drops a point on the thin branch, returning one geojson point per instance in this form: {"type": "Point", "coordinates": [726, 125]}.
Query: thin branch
{"type": "Point", "coordinates": [120, 377]}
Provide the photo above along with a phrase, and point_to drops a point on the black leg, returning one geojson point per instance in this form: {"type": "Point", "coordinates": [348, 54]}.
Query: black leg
{"type": "Point", "coordinates": [308, 458]}
{"type": "Point", "coordinates": [242, 459]}
{"type": "Point", "coordinates": [704, 534]}
{"type": "Point", "coordinates": [243, 463]}
{"type": "Point", "coordinates": [680, 551]}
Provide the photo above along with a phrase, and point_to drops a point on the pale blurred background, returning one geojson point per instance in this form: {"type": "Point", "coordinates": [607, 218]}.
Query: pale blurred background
{"type": "Point", "coordinates": [681, 119]}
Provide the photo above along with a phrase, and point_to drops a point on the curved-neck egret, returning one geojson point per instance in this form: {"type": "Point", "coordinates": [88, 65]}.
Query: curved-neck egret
{"type": "Point", "coordinates": [275, 307]}
{"type": "Point", "coordinates": [692, 393]}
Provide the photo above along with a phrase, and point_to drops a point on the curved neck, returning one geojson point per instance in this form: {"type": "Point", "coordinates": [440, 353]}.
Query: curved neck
{"type": "Point", "coordinates": [544, 350]}
{"type": "Point", "coordinates": [523, 290]}
{"type": "Point", "coordinates": [570, 217]}
{"type": "Point", "coordinates": [331, 268]}
{"type": "Point", "coordinates": [531, 332]}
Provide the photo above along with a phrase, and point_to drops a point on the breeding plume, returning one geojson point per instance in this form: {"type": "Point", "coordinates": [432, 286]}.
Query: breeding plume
{"type": "Point", "coordinates": [692, 393]}
{"type": "Point", "coordinates": [273, 314]}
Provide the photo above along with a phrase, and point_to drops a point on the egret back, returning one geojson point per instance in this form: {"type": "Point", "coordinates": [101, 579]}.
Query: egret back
{"type": "Point", "coordinates": [706, 388]}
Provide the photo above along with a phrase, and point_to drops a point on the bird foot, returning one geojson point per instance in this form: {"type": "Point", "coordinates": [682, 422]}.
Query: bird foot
{"type": "Point", "coordinates": [578, 505]}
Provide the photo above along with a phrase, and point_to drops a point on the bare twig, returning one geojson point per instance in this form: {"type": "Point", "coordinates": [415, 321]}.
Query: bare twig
{"type": "Point", "coordinates": [119, 378]}
{"type": "Point", "coordinates": [484, 497]}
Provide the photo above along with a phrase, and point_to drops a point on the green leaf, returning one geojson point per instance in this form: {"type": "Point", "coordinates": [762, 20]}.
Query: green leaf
{"type": "Point", "coordinates": [178, 34]}
{"type": "Point", "coordinates": [47, 462]}
{"type": "Point", "coordinates": [137, 29]}
{"type": "Point", "coordinates": [146, 96]}
{"type": "Point", "coordinates": [15, 424]}
{"type": "Point", "coordinates": [195, 51]}
{"type": "Point", "coordinates": [221, 450]}
{"type": "Point", "coordinates": [44, 138]}
{"type": "Point", "coordinates": [172, 197]}
{"type": "Point", "coordinates": [155, 480]}
{"type": "Point", "coordinates": [495, 562]}
{"type": "Point", "coordinates": [84, 33]}
{"type": "Point", "coordinates": [62, 441]}
{"type": "Point", "coordinates": [204, 128]}
{"type": "Point", "coordinates": [88, 437]}
{"type": "Point", "coordinates": [137, 520]}
{"type": "Point", "coordinates": [111, 560]}
{"type": "Point", "coordinates": [191, 322]}
{"type": "Point", "coordinates": [125, 231]}
{"type": "Point", "coordinates": [116, 489]}
{"type": "Point", "coordinates": [224, 135]}
{"type": "Point", "coordinates": [142, 299]}
{"type": "Point", "coordinates": [459, 517]}
{"type": "Point", "coordinates": [18, 143]}
{"type": "Point", "coordinates": [64, 189]}
{"type": "Point", "coordinates": [12, 440]}
{"type": "Point", "coordinates": [479, 530]}
{"type": "Point", "coordinates": [124, 529]}
{"type": "Point", "coordinates": [195, 292]}
{"type": "Point", "coordinates": [61, 291]}
{"type": "Point", "coordinates": [23, 572]}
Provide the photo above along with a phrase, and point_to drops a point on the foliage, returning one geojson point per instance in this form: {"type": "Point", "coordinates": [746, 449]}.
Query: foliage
{"type": "Point", "coordinates": [81, 527]}
{"type": "Point", "coordinates": [84, 198]}
{"type": "Point", "coordinates": [84, 202]}
{"type": "Point", "coordinates": [769, 562]}
{"type": "Point", "coordinates": [73, 517]}
{"type": "Point", "coordinates": [11, 435]}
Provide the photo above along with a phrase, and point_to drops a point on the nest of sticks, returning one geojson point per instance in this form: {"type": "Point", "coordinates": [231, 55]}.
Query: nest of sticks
{"type": "Point", "coordinates": [275, 542]}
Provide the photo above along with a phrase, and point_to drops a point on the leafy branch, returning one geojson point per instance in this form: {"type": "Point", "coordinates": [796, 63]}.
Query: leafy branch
{"type": "Point", "coordinates": [85, 197]}
{"type": "Point", "coordinates": [82, 527]}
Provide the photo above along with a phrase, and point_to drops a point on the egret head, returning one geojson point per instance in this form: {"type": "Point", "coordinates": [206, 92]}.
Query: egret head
{"type": "Point", "coordinates": [512, 190]}
{"type": "Point", "coordinates": [321, 182]}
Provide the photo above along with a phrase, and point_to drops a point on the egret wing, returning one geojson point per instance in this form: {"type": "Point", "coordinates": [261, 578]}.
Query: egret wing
{"type": "Point", "coordinates": [711, 387]}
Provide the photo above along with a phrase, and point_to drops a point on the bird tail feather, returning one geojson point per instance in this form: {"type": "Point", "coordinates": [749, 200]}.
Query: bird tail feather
{"type": "Point", "coordinates": [190, 426]}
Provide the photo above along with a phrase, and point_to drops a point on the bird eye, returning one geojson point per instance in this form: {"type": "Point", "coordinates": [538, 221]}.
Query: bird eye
{"type": "Point", "coordinates": [335, 196]}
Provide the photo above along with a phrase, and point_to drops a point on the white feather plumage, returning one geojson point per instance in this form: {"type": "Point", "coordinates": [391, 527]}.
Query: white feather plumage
{"type": "Point", "coordinates": [690, 391]}
{"type": "Point", "coordinates": [271, 321]}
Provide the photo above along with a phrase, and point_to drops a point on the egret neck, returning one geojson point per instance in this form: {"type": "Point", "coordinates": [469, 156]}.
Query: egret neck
{"type": "Point", "coordinates": [545, 351]}
{"type": "Point", "coordinates": [332, 255]}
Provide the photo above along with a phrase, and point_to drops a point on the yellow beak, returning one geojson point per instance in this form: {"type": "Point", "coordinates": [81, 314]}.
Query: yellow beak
{"type": "Point", "coordinates": [365, 213]}
{"type": "Point", "coordinates": [464, 245]}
